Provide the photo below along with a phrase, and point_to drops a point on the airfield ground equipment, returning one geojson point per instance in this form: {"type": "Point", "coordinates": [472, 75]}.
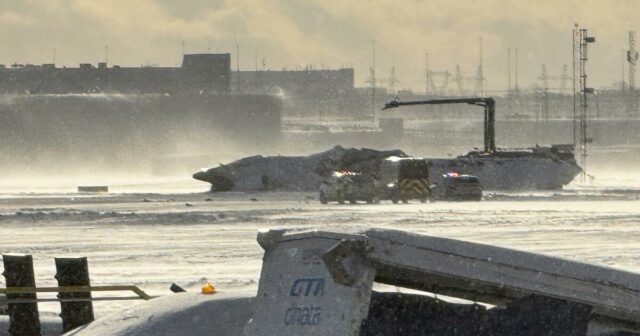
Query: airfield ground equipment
{"type": "Point", "coordinates": [405, 178]}
{"type": "Point", "coordinates": [488, 103]}
{"type": "Point", "coordinates": [350, 187]}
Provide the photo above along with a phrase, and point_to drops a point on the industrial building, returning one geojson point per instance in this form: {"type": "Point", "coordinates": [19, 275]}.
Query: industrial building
{"type": "Point", "coordinates": [198, 73]}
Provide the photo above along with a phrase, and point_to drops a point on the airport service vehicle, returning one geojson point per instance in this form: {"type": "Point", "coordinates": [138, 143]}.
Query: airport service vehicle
{"type": "Point", "coordinates": [405, 178]}
{"type": "Point", "coordinates": [350, 187]}
{"type": "Point", "coordinates": [458, 187]}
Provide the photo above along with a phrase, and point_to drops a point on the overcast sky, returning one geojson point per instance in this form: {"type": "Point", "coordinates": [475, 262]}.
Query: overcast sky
{"type": "Point", "coordinates": [329, 33]}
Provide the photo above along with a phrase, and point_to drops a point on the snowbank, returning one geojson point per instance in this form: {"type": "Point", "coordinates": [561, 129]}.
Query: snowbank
{"type": "Point", "coordinates": [49, 326]}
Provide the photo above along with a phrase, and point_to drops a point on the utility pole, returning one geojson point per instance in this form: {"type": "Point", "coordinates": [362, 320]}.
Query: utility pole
{"type": "Point", "coordinates": [393, 80]}
{"type": "Point", "coordinates": [427, 73]}
{"type": "Point", "coordinates": [632, 58]}
{"type": "Point", "coordinates": [237, 58]}
{"type": "Point", "coordinates": [509, 70]}
{"type": "Point", "coordinates": [255, 59]}
{"type": "Point", "coordinates": [564, 77]}
{"type": "Point", "coordinates": [516, 89]}
{"type": "Point", "coordinates": [373, 80]}
{"type": "Point", "coordinates": [509, 93]}
{"type": "Point", "coordinates": [576, 61]}
{"type": "Point", "coordinates": [459, 80]}
{"type": "Point", "coordinates": [624, 60]}
{"type": "Point", "coordinates": [480, 71]}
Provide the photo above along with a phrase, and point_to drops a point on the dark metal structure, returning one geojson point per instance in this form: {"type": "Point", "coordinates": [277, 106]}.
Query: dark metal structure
{"type": "Point", "coordinates": [74, 272]}
{"type": "Point", "coordinates": [23, 317]}
{"type": "Point", "coordinates": [74, 294]}
{"type": "Point", "coordinates": [488, 103]}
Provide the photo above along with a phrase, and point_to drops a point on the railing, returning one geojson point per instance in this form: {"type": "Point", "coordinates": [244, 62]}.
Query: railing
{"type": "Point", "coordinates": [140, 294]}
{"type": "Point", "coordinates": [74, 292]}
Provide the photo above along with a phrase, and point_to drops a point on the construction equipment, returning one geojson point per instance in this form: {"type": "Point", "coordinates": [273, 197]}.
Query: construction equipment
{"type": "Point", "coordinates": [488, 103]}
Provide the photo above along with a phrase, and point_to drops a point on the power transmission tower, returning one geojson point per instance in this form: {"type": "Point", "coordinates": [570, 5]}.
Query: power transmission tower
{"type": "Point", "coordinates": [392, 81]}
{"type": "Point", "coordinates": [544, 77]}
{"type": "Point", "coordinates": [441, 87]}
{"type": "Point", "coordinates": [435, 87]}
{"type": "Point", "coordinates": [373, 80]}
{"type": "Point", "coordinates": [459, 80]}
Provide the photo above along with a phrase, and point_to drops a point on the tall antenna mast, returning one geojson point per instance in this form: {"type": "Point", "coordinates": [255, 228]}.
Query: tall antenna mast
{"type": "Point", "coordinates": [585, 39]}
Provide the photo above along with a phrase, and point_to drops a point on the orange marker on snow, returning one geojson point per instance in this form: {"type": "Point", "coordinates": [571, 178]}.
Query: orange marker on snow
{"type": "Point", "coordinates": [208, 289]}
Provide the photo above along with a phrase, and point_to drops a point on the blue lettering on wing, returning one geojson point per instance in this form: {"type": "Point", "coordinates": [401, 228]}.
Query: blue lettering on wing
{"type": "Point", "coordinates": [307, 287]}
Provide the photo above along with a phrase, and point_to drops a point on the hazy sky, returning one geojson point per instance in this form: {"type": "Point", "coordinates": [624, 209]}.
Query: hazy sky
{"type": "Point", "coordinates": [333, 33]}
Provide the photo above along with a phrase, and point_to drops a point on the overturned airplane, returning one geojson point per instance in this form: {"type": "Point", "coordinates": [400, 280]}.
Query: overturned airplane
{"type": "Point", "coordinates": [534, 169]}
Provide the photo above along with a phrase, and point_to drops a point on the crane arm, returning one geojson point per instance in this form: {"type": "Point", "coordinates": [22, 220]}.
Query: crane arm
{"type": "Point", "coordinates": [489, 113]}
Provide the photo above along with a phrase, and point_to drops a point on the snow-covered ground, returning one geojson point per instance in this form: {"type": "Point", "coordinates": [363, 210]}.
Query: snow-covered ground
{"type": "Point", "coordinates": [154, 239]}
